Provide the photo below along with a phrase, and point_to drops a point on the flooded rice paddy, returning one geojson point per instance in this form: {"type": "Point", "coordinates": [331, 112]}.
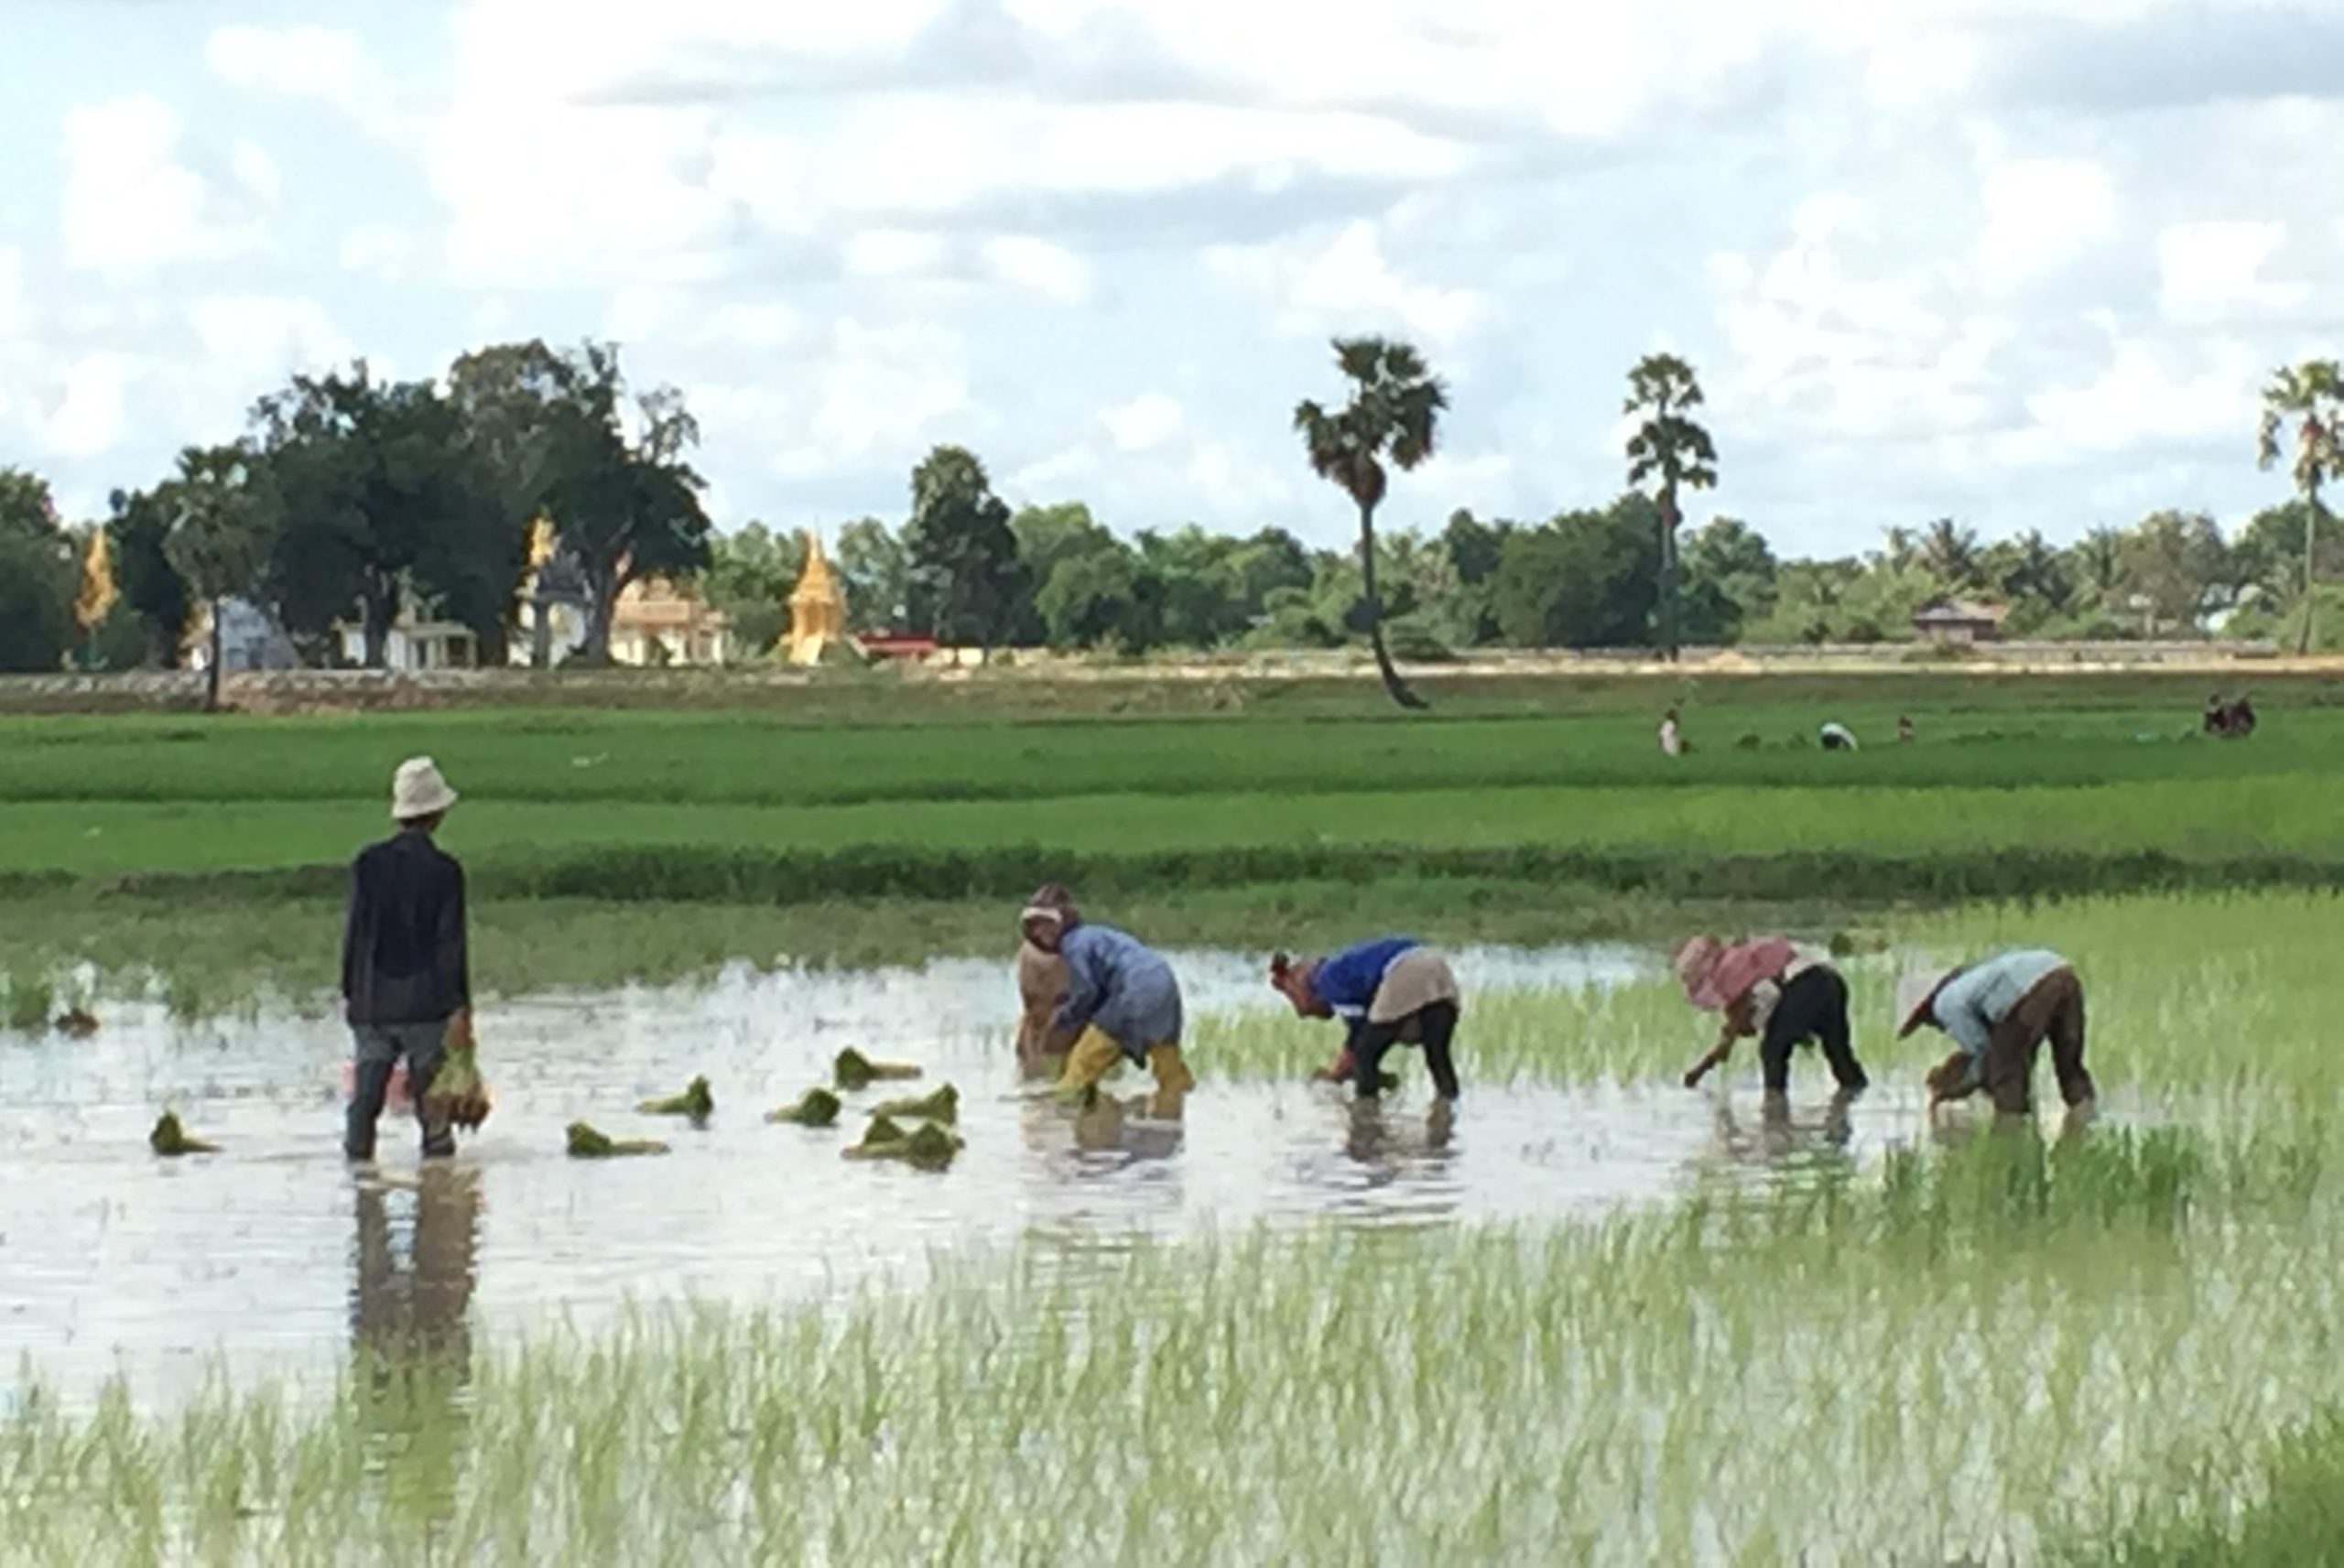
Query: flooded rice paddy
{"type": "Point", "coordinates": [274, 1256]}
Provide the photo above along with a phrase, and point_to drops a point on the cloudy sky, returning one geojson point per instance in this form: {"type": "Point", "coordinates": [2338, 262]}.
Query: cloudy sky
{"type": "Point", "coordinates": [2024, 262]}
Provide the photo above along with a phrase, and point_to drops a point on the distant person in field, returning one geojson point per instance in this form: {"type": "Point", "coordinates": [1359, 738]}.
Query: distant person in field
{"type": "Point", "coordinates": [405, 961]}
{"type": "Point", "coordinates": [1836, 737]}
{"type": "Point", "coordinates": [2228, 721]}
{"type": "Point", "coordinates": [2000, 1011]}
{"type": "Point", "coordinates": [1904, 730]}
{"type": "Point", "coordinates": [1392, 990]}
{"type": "Point", "coordinates": [1672, 735]}
{"type": "Point", "coordinates": [1122, 1002]}
{"type": "Point", "coordinates": [1768, 991]}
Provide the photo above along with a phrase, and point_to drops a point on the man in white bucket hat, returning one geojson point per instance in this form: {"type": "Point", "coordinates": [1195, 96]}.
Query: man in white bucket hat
{"type": "Point", "coordinates": [406, 960]}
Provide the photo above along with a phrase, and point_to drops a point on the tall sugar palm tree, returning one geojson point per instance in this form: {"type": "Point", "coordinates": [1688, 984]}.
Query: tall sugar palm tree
{"type": "Point", "coordinates": [1668, 448]}
{"type": "Point", "coordinates": [1393, 416]}
{"type": "Point", "coordinates": [2309, 396]}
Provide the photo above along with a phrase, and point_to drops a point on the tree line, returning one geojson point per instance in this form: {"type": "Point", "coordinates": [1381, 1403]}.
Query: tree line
{"type": "Point", "coordinates": [350, 498]}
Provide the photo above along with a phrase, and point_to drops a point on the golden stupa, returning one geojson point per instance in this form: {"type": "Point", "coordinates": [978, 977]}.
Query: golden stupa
{"type": "Point", "coordinates": [816, 607]}
{"type": "Point", "coordinates": [97, 595]}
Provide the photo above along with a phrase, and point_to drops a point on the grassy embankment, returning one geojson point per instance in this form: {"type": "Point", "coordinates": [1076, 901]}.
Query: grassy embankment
{"type": "Point", "coordinates": [650, 843]}
{"type": "Point", "coordinates": [2117, 1347]}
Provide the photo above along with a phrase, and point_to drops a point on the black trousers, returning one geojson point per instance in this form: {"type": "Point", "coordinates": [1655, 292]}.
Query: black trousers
{"type": "Point", "coordinates": [1813, 1006]}
{"type": "Point", "coordinates": [1434, 1026]}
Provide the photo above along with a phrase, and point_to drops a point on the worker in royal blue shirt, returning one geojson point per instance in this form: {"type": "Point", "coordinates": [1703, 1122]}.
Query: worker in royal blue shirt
{"type": "Point", "coordinates": [1389, 992]}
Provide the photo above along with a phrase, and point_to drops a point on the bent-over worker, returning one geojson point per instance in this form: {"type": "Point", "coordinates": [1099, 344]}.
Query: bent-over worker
{"type": "Point", "coordinates": [1041, 988]}
{"type": "Point", "coordinates": [406, 963]}
{"type": "Point", "coordinates": [1389, 992]}
{"type": "Point", "coordinates": [1122, 1002]}
{"type": "Point", "coordinates": [1999, 1012]}
{"type": "Point", "coordinates": [1767, 988]}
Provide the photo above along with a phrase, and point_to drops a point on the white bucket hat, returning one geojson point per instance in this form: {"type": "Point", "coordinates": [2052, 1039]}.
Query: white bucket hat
{"type": "Point", "coordinates": [418, 790]}
{"type": "Point", "coordinates": [1914, 992]}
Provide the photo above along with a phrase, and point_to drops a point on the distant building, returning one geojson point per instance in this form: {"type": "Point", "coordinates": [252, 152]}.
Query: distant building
{"type": "Point", "coordinates": [896, 644]}
{"type": "Point", "coordinates": [657, 622]}
{"type": "Point", "coordinates": [1958, 622]}
{"type": "Point", "coordinates": [816, 609]}
{"type": "Point", "coordinates": [250, 639]}
{"type": "Point", "coordinates": [413, 643]}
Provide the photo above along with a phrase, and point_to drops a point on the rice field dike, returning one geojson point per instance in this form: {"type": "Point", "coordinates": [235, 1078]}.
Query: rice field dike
{"type": "Point", "coordinates": [1948, 1341]}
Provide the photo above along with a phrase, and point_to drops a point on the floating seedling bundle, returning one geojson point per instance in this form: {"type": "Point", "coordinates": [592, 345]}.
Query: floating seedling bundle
{"type": "Point", "coordinates": [587, 1143]}
{"type": "Point", "coordinates": [816, 1106]}
{"type": "Point", "coordinates": [853, 1070]}
{"type": "Point", "coordinates": [694, 1102]}
{"type": "Point", "coordinates": [170, 1138]}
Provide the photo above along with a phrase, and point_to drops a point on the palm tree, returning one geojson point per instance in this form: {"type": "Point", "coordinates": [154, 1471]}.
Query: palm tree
{"type": "Point", "coordinates": [1394, 415]}
{"type": "Point", "coordinates": [1949, 553]}
{"type": "Point", "coordinates": [1672, 448]}
{"type": "Point", "coordinates": [2311, 396]}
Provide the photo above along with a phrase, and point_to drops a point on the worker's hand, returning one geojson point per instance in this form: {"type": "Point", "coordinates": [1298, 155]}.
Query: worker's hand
{"type": "Point", "coordinates": [1694, 1074]}
{"type": "Point", "coordinates": [460, 1029]}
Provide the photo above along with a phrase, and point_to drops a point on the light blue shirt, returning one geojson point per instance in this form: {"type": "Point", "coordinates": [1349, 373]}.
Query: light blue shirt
{"type": "Point", "coordinates": [1121, 985]}
{"type": "Point", "coordinates": [1977, 998]}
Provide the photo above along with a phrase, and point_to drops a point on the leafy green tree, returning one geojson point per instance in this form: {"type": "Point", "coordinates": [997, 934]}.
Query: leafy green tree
{"type": "Point", "coordinates": [560, 437]}
{"type": "Point", "coordinates": [37, 577]}
{"type": "Point", "coordinates": [1587, 579]}
{"type": "Point", "coordinates": [2303, 420]}
{"type": "Point", "coordinates": [2033, 577]}
{"type": "Point", "coordinates": [2268, 553]}
{"type": "Point", "coordinates": [966, 580]}
{"type": "Point", "coordinates": [2173, 563]}
{"type": "Point", "coordinates": [382, 501]}
{"type": "Point", "coordinates": [1949, 552]}
{"type": "Point", "coordinates": [2094, 564]}
{"type": "Point", "coordinates": [1474, 549]}
{"type": "Point", "coordinates": [1729, 580]}
{"type": "Point", "coordinates": [1100, 597]}
{"type": "Point", "coordinates": [751, 572]}
{"type": "Point", "coordinates": [1393, 416]}
{"type": "Point", "coordinates": [1193, 587]}
{"type": "Point", "coordinates": [874, 576]}
{"type": "Point", "coordinates": [226, 512]}
{"type": "Point", "coordinates": [1672, 453]}
{"type": "Point", "coordinates": [152, 591]}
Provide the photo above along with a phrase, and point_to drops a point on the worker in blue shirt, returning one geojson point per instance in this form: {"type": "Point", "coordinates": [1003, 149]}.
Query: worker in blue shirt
{"type": "Point", "coordinates": [1122, 1002]}
{"type": "Point", "coordinates": [1391, 991]}
{"type": "Point", "coordinates": [2000, 1011]}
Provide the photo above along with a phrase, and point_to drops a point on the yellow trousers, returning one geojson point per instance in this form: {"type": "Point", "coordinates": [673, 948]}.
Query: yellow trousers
{"type": "Point", "coordinates": [1095, 1056]}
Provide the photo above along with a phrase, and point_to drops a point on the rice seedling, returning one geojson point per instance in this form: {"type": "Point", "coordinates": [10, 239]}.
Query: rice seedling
{"type": "Point", "coordinates": [170, 1140]}
{"type": "Point", "coordinates": [940, 1104]}
{"type": "Point", "coordinates": [26, 1004]}
{"type": "Point", "coordinates": [694, 1102]}
{"type": "Point", "coordinates": [586, 1143]}
{"type": "Point", "coordinates": [1922, 1376]}
{"type": "Point", "coordinates": [853, 1070]}
{"type": "Point", "coordinates": [818, 1107]}
{"type": "Point", "coordinates": [927, 1145]}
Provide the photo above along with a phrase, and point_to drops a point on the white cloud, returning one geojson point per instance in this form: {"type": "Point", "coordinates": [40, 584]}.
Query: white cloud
{"type": "Point", "coordinates": [1346, 283]}
{"type": "Point", "coordinates": [255, 171]}
{"type": "Point", "coordinates": [1049, 270]}
{"type": "Point", "coordinates": [1234, 485]}
{"type": "Point", "coordinates": [761, 324]}
{"type": "Point", "coordinates": [261, 337]}
{"type": "Point", "coordinates": [2206, 269]}
{"type": "Point", "coordinates": [381, 250]}
{"type": "Point", "coordinates": [1828, 349]}
{"type": "Point", "coordinates": [128, 205]}
{"type": "Point", "coordinates": [2040, 214]}
{"type": "Point", "coordinates": [877, 395]}
{"type": "Point", "coordinates": [88, 419]}
{"type": "Point", "coordinates": [15, 301]}
{"type": "Point", "coordinates": [328, 64]}
{"type": "Point", "coordinates": [891, 253]}
{"type": "Point", "coordinates": [1148, 421]}
{"type": "Point", "coordinates": [2139, 401]}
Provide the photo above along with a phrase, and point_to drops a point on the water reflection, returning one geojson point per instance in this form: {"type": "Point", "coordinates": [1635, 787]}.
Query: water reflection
{"type": "Point", "coordinates": [1795, 1143]}
{"type": "Point", "coordinates": [414, 1260]}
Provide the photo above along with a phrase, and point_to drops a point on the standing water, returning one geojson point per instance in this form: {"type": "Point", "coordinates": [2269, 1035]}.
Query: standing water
{"type": "Point", "coordinates": [273, 1254]}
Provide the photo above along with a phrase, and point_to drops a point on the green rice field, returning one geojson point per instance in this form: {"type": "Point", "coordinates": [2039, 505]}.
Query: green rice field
{"type": "Point", "coordinates": [2112, 1340]}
